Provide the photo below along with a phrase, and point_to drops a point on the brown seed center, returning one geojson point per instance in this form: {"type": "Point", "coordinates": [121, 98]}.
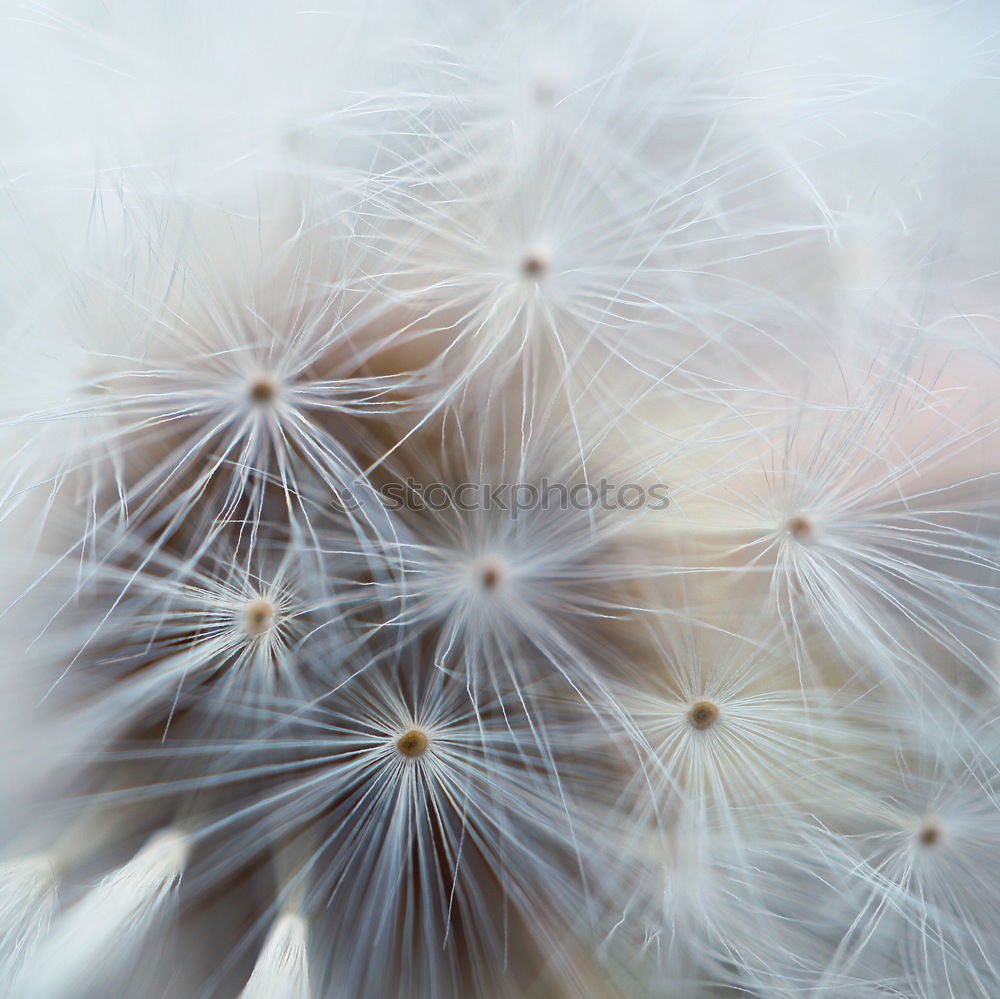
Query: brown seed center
{"type": "Point", "coordinates": [929, 835]}
{"type": "Point", "coordinates": [534, 265]}
{"type": "Point", "coordinates": [491, 577]}
{"type": "Point", "coordinates": [703, 714]}
{"type": "Point", "coordinates": [413, 744]}
{"type": "Point", "coordinates": [801, 528]}
{"type": "Point", "coordinates": [490, 574]}
{"type": "Point", "coordinates": [263, 391]}
{"type": "Point", "coordinates": [259, 616]}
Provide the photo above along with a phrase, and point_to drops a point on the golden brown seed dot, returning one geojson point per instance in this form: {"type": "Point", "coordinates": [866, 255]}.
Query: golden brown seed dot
{"type": "Point", "coordinates": [490, 574]}
{"type": "Point", "coordinates": [263, 391]}
{"type": "Point", "coordinates": [703, 714]}
{"type": "Point", "coordinates": [413, 744]}
{"type": "Point", "coordinates": [929, 835]}
{"type": "Point", "coordinates": [491, 577]}
{"type": "Point", "coordinates": [259, 616]}
{"type": "Point", "coordinates": [534, 265]}
{"type": "Point", "coordinates": [801, 528]}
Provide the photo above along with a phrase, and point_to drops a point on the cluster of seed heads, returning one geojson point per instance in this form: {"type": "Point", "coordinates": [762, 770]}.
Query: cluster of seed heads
{"type": "Point", "coordinates": [273, 727]}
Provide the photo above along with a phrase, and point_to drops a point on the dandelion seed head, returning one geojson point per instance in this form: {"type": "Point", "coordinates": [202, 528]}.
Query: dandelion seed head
{"type": "Point", "coordinates": [535, 264]}
{"type": "Point", "coordinates": [802, 528]}
{"type": "Point", "coordinates": [413, 743]}
{"type": "Point", "coordinates": [491, 574]}
{"type": "Point", "coordinates": [282, 968]}
{"type": "Point", "coordinates": [703, 714]}
{"type": "Point", "coordinates": [259, 617]}
{"type": "Point", "coordinates": [263, 390]}
{"type": "Point", "coordinates": [930, 834]}
{"type": "Point", "coordinates": [519, 732]}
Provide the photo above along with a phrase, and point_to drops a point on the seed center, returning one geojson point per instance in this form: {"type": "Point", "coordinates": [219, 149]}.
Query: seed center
{"type": "Point", "coordinates": [263, 391]}
{"type": "Point", "coordinates": [930, 834]}
{"type": "Point", "coordinates": [260, 617]}
{"type": "Point", "coordinates": [413, 744]}
{"type": "Point", "coordinates": [490, 574]}
{"type": "Point", "coordinates": [801, 527]}
{"type": "Point", "coordinates": [703, 714]}
{"type": "Point", "coordinates": [534, 264]}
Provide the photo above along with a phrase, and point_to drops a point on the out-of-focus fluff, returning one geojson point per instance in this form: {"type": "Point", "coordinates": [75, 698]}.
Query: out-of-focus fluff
{"type": "Point", "coordinates": [500, 499]}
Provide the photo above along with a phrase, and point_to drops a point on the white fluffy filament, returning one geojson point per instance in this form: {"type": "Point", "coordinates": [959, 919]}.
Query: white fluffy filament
{"type": "Point", "coordinates": [282, 968]}
{"type": "Point", "coordinates": [27, 902]}
{"type": "Point", "coordinates": [98, 937]}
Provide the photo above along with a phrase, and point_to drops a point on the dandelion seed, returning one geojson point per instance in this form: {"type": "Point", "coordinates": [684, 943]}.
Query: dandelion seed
{"type": "Point", "coordinates": [263, 391]}
{"type": "Point", "coordinates": [499, 500]}
{"type": "Point", "coordinates": [96, 940]}
{"type": "Point", "coordinates": [802, 528]}
{"type": "Point", "coordinates": [413, 744]}
{"type": "Point", "coordinates": [27, 904]}
{"type": "Point", "coordinates": [491, 574]}
{"type": "Point", "coordinates": [535, 265]}
{"type": "Point", "coordinates": [282, 969]}
{"type": "Point", "coordinates": [703, 714]}
{"type": "Point", "coordinates": [260, 616]}
{"type": "Point", "coordinates": [927, 884]}
{"type": "Point", "coordinates": [930, 834]}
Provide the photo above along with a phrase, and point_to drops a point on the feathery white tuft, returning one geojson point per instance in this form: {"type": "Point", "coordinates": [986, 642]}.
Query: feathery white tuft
{"type": "Point", "coordinates": [282, 969]}
{"type": "Point", "coordinates": [101, 935]}
{"type": "Point", "coordinates": [27, 903]}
